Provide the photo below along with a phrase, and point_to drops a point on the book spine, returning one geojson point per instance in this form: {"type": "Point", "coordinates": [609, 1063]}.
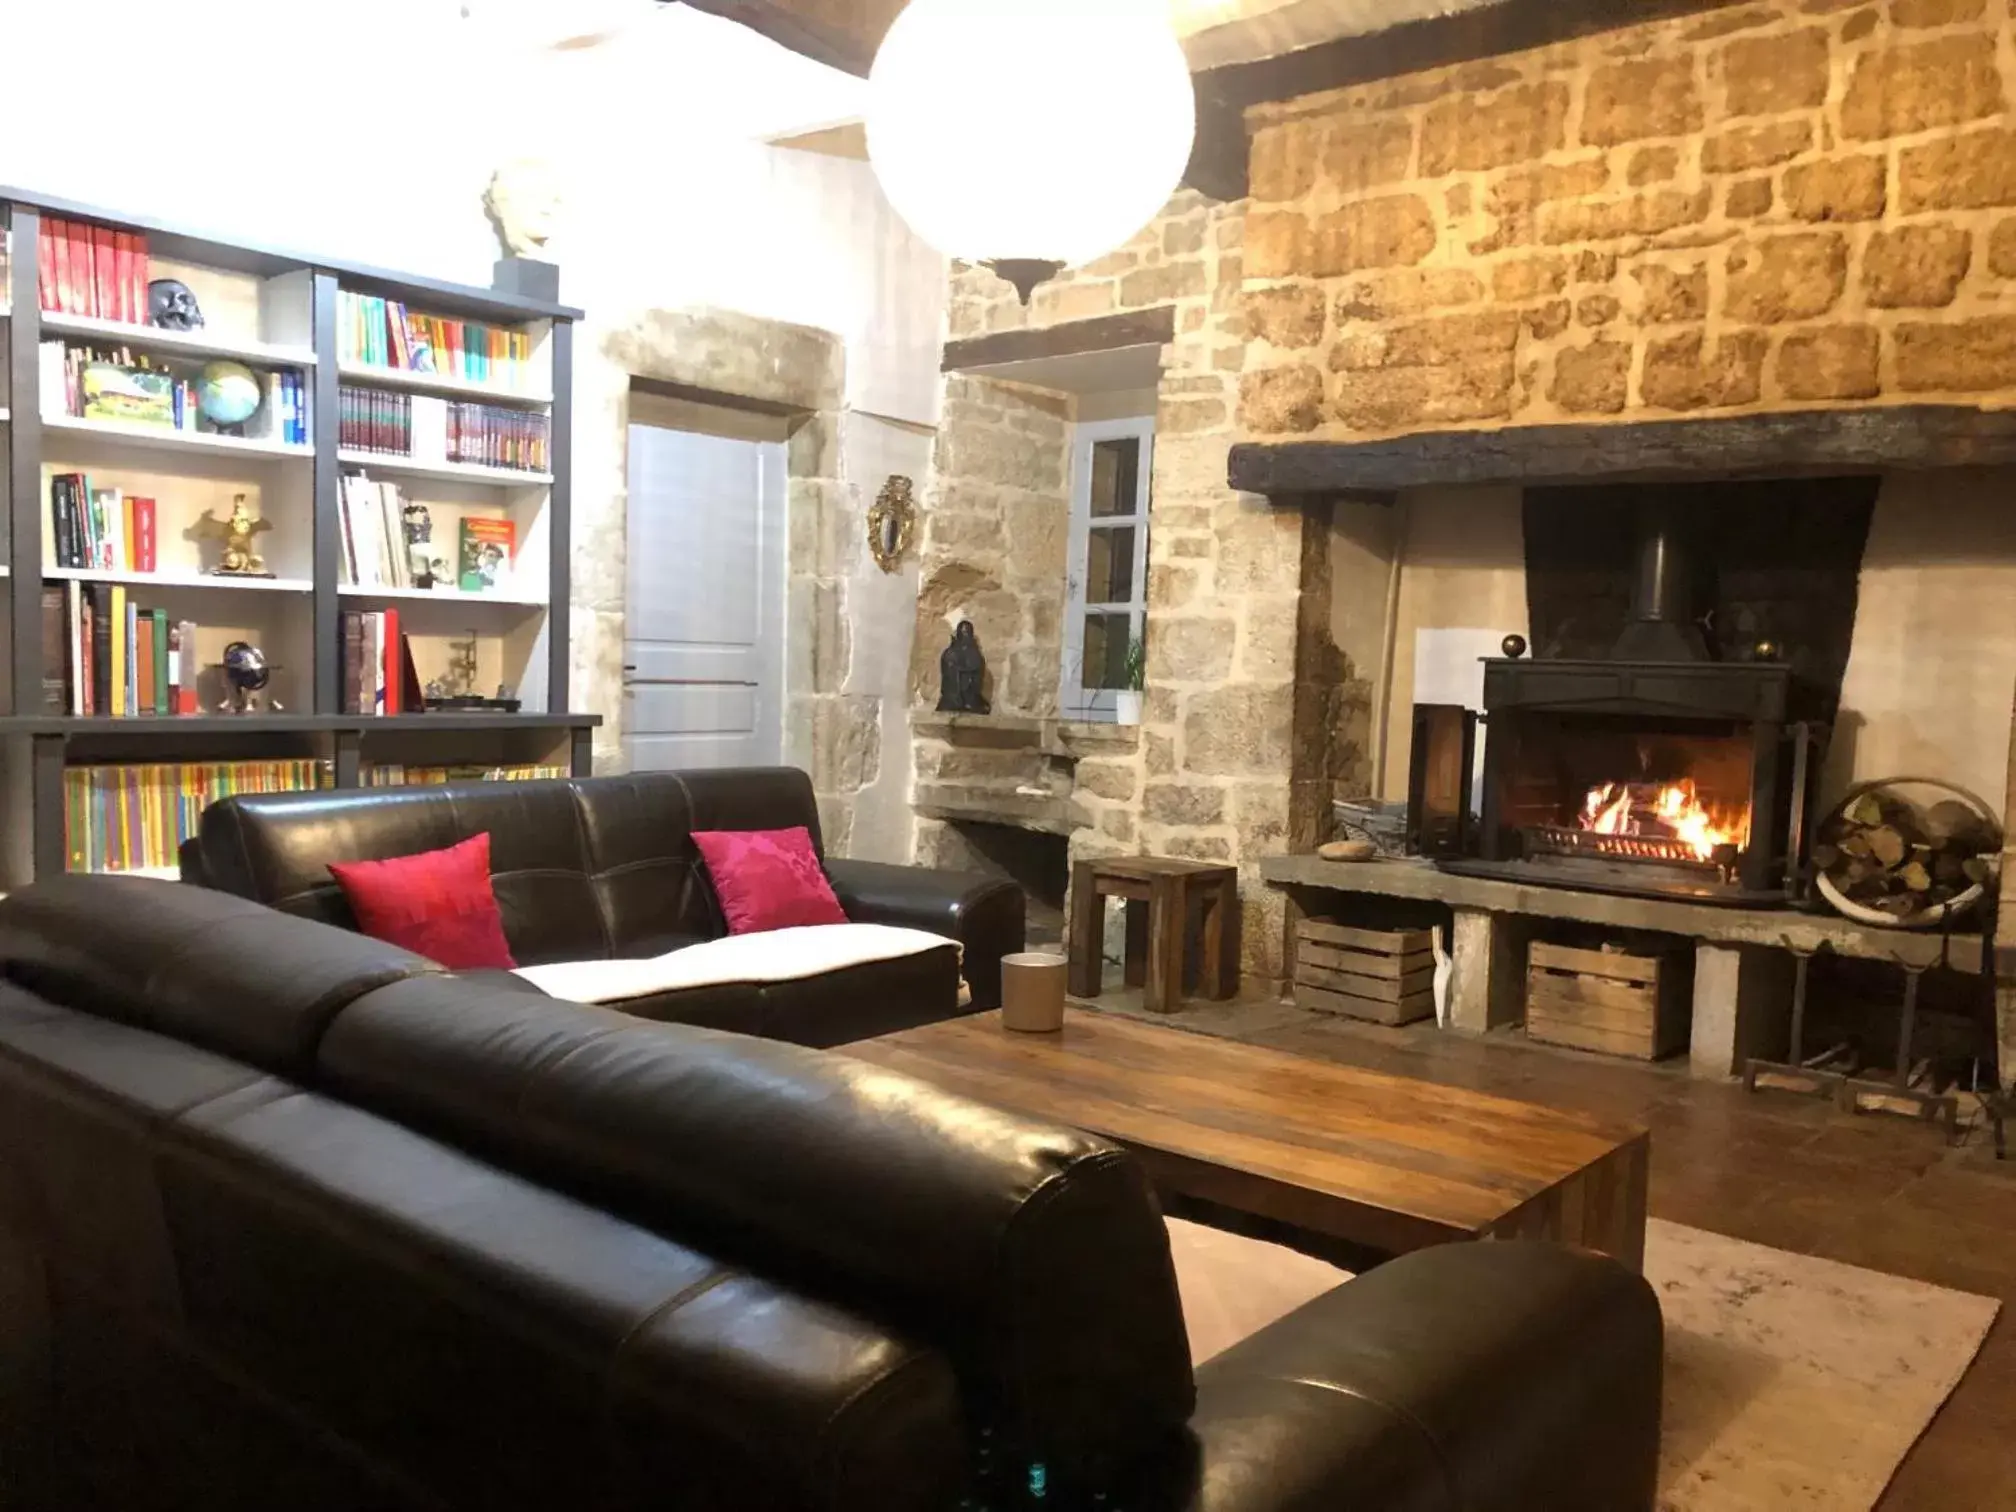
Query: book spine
{"type": "Point", "coordinates": [115, 644]}
{"type": "Point", "coordinates": [45, 264]}
{"type": "Point", "coordinates": [392, 669]}
{"type": "Point", "coordinates": [163, 655]}
{"type": "Point", "coordinates": [55, 627]}
{"type": "Point", "coordinates": [143, 662]}
{"type": "Point", "coordinates": [104, 273]}
{"type": "Point", "coordinates": [377, 662]}
{"type": "Point", "coordinates": [77, 666]}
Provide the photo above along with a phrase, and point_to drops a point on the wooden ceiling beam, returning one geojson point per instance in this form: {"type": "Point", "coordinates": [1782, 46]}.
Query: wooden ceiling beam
{"type": "Point", "coordinates": [835, 45]}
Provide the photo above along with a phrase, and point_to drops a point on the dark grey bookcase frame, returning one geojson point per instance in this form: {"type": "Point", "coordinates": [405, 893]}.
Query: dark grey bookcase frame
{"type": "Point", "coordinates": [54, 738]}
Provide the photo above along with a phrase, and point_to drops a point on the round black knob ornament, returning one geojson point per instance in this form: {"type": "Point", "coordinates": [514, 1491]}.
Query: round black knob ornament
{"type": "Point", "coordinates": [1767, 651]}
{"type": "Point", "coordinates": [1513, 646]}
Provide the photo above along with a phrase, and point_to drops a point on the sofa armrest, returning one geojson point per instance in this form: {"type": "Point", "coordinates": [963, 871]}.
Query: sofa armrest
{"type": "Point", "coordinates": [984, 914]}
{"type": "Point", "coordinates": [1472, 1378]}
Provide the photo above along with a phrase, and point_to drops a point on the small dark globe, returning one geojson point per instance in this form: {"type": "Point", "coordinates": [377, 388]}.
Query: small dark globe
{"type": "Point", "coordinates": [245, 667]}
{"type": "Point", "coordinates": [1514, 646]}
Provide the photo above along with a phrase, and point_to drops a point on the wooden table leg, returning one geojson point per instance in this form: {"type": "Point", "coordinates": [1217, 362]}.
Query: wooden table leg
{"type": "Point", "coordinates": [1163, 992]}
{"type": "Point", "coordinates": [1088, 932]}
{"type": "Point", "coordinates": [1220, 972]}
{"type": "Point", "coordinates": [1137, 942]}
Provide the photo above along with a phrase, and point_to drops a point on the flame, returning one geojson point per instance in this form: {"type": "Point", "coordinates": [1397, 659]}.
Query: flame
{"type": "Point", "coordinates": [1666, 811]}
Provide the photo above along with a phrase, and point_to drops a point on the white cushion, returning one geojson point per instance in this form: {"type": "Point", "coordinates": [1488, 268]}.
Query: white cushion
{"type": "Point", "coordinates": [778, 955]}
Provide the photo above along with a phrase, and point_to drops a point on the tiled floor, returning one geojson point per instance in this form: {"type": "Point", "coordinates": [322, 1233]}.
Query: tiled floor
{"type": "Point", "coordinates": [1771, 1168]}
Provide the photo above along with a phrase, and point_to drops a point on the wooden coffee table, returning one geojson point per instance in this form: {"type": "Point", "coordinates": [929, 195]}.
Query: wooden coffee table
{"type": "Point", "coordinates": [1375, 1161]}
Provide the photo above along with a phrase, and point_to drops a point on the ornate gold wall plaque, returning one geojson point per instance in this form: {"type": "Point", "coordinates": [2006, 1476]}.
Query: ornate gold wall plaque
{"type": "Point", "coordinates": [892, 522]}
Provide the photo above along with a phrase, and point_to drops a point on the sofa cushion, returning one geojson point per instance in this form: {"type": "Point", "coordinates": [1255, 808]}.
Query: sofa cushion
{"type": "Point", "coordinates": [768, 879]}
{"type": "Point", "coordinates": [781, 955]}
{"type": "Point", "coordinates": [438, 904]}
{"type": "Point", "coordinates": [217, 971]}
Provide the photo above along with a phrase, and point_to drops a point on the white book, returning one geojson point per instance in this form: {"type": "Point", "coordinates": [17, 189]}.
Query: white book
{"type": "Point", "coordinates": [391, 534]}
{"type": "Point", "coordinates": [346, 541]}
{"type": "Point", "coordinates": [80, 674]}
{"type": "Point", "coordinates": [364, 521]}
{"type": "Point", "coordinates": [55, 389]}
{"type": "Point", "coordinates": [430, 428]}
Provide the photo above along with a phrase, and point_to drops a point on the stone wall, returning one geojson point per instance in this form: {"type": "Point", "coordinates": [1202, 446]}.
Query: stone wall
{"type": "Point", "coordinates": [1214, 774]}
{"type": "Point", "coordinates": [1785, 204]}
{"type": "Point", "coordinates": [995, 535]}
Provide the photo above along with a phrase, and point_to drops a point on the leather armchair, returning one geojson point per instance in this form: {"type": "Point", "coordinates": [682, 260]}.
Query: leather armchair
{"type": "Point", "coordinates": [986, 915]}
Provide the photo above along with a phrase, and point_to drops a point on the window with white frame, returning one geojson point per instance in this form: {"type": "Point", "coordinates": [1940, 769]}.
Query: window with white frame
{"type": "Point", "coordinates": [1107, 603]}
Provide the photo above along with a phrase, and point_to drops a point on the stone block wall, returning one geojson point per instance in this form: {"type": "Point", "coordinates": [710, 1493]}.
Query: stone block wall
{"type": "Point", "coordinates": [1214, 774]}
{"type": "Point", "coordinates": [995, 538]}
{"type": "Point", "coordinates": [1778, 205]}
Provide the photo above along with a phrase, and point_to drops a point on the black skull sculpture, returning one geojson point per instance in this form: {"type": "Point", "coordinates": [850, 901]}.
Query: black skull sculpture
{"type": "Point", "coordinates": [172, 307]}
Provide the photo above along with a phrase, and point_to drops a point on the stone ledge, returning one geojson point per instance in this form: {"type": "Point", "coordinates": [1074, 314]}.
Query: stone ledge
{"type": "Point", "coordinates": [1730, 926]}
{"type": "Point", "coordinates": [1047, 815]}
{"type": "Point", "coordinates": [1069, 739]}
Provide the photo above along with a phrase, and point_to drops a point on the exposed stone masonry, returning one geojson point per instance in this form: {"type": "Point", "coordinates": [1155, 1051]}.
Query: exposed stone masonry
{"type": "Point", "coordinates": [1796, 202]}
{"type": "Point", "coordinates": [1210, 777]}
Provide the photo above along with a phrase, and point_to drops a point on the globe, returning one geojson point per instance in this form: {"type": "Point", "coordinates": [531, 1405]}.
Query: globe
{"type": "Point", "coordinates": [227, 393]}
{"type": "Point", "coordinates": [245, 667]}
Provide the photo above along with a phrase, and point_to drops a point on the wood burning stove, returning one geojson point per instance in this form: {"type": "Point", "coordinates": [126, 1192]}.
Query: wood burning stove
{"type": "Point", "coordinates": [1658, 771]}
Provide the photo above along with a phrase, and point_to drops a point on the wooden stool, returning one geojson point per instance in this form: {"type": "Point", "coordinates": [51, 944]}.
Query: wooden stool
{"type": "Point", "coordinates": [1159, 894]}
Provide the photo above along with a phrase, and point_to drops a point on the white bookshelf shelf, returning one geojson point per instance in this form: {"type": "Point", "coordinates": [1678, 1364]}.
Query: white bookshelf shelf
{"type": "Point", "coordinates": [438, 383]}
{"type": "Point", "coordinates": [202, 343]}
{"type": "Point", "coordinates": [166, 438]}
{"type": "Point", "coordinates": [468, 472]}
{"type": "Point", "coordinates": [504, 599]}
{"type": "Point", "coordinates": [180, 580]}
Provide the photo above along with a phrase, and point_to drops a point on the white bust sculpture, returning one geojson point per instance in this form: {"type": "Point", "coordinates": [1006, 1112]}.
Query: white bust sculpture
{"type": "Point", "coordinates": [523, 202]}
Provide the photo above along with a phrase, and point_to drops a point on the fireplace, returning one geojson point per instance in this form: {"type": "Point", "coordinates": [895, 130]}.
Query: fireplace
{"type": "Point", "coordinates": [1656, 770]}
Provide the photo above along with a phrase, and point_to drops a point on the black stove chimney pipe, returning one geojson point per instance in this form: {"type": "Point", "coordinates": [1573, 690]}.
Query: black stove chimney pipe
{"type": "Point", "coordinates": [1663, 625]}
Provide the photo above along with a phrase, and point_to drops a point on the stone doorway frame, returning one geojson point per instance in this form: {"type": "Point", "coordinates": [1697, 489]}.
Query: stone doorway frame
{"type": "Point", "coordinates": [730, 360]}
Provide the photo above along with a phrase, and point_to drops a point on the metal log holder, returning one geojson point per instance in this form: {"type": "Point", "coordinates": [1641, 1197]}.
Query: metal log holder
{"type": "Point", "coordinates": [1901, 1092]}
{"type": "Point", "coordinates": [1834, 1072]}
{"type": "Point", "coordinates": [1821, 1075]}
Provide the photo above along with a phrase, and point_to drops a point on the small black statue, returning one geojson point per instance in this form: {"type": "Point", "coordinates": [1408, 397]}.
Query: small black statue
{"type": "Point", "coordinates": [171, 306]}
{"type": "Point", "coordinates": [961, 671]}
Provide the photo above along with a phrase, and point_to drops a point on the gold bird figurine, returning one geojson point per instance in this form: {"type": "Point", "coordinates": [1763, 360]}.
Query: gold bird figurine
{"type": "Point", "coordinates": [239, 560]}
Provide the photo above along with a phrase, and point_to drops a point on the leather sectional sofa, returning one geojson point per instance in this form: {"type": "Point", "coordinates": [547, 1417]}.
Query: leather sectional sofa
{"type": "Point", "coordinates": [603, 868]}
{"type": "Point", "coordinates": [291, 1218]}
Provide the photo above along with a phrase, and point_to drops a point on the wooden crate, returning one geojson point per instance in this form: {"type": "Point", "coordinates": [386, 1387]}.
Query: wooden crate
{"type": "Point", "coordinates": [1607, 1000]}
{"type": "Point", "coordinates": [1385, 975]}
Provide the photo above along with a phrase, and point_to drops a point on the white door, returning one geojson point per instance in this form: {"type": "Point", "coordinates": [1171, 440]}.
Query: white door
{"type": "Point", "coordinates": [1106, 609]}
{"type": "Point", "coordinates": [704, 646]}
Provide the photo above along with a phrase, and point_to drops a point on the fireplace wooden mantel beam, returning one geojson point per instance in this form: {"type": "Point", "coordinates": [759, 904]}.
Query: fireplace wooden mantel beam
{"type": "Point", "coordinates": [1909, 437]}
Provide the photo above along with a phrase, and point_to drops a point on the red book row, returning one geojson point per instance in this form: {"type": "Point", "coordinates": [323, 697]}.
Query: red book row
{"type": "Point", "coordinates": [84, 269]}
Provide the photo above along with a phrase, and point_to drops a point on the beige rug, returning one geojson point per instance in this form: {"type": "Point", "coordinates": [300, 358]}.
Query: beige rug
{"type": "Point", "coordinates": [1792, 1384]}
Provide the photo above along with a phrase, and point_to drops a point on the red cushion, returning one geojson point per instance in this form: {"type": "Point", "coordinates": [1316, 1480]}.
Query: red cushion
{"type": "Point", "coordinates": [438, 904]}
{"type": "Point", "coordinates": [768, 879]}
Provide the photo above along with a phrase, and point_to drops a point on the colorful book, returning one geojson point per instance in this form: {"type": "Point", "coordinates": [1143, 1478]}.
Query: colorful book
{"type": "Point", "coordinates": [484, 553]}
{"type": "Point", "coordinates": [55, 635]}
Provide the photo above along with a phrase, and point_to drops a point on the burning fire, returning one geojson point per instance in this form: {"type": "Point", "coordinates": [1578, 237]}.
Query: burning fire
{"type": "Point", "coordinates": [1667, 811]}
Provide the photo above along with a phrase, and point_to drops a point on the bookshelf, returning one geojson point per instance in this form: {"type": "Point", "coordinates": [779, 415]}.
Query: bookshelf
{"type": "Point", "coordinates": [278, 312]}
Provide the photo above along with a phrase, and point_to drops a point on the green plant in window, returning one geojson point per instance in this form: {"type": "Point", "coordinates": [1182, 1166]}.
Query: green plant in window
{"type": "Point", "coordinates": [1134, 671]}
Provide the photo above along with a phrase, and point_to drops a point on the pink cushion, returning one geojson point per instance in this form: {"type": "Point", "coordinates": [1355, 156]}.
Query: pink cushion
{"type": "Point", "coordinates": [438, 904]}
{"type": "Point", "coordinates": [768, 879]}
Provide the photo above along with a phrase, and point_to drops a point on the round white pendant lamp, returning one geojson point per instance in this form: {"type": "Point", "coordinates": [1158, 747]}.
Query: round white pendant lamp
{"type": "Point", "coordinates": [1030, 135]}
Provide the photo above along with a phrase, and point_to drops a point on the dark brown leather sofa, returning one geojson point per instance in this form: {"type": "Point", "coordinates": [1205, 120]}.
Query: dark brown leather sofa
{"type": "Point", "coordinates": [603, 868]}
{"type": "Point", "coordinates": [290, 1218]}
